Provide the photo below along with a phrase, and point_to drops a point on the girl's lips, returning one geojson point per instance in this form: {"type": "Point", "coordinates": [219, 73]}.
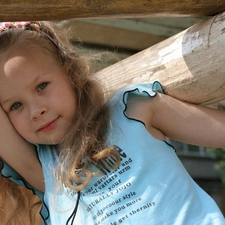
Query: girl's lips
{"type": "Point", "coordinates": [48, 126]}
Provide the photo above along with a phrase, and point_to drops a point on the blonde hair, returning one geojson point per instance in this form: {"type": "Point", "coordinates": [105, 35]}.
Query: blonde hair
{"type": "Point", "coordinates": [85, 143]}
{"type": "Point", "coordinates": [18, 205]}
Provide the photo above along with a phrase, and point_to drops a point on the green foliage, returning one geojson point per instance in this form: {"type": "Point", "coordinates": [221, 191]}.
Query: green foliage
{"type": "Point", "coordinates": [219, 155]}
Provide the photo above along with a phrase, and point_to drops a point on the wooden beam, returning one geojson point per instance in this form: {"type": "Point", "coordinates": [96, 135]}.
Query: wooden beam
{"type": "Point", "coordinates": [111, 36]}
{"type": "Point", "coordinates": [163, 27]}
{"type": "Point", "coordinates": [61, 10]}
{"type": "Point", "coordinates": [190, 65]}
{"type": "Point", "coordinates": [133, 34]}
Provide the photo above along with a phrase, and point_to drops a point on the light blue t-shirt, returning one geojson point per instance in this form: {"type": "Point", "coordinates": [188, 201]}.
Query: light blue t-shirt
{"type": "Point", "coordinates": [151, 186]}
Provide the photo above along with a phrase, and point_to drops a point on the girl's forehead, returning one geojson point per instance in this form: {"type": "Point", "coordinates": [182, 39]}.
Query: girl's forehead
{"type": "Point", "coordinates": [12, 65]}
{"type": "Point", "coordinates": [35, 56]}
{"type": "Point", "coordinates": [20, 70]}
{"type": "Point", "coordinates": [25, 65]}
{"type": "Point", "coordinates": [17, 69]}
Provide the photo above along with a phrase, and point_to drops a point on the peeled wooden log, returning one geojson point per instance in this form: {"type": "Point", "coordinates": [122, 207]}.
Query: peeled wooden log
{"type": "Point", "coordinates": [190, 65]}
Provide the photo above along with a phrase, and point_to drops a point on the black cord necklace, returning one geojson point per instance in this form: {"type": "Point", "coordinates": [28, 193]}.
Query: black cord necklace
{"type": "Point", "coordinates": [73, 215]}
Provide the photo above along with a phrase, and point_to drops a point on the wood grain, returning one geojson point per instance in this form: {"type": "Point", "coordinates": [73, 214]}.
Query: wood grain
{"type": "Point", "coordinates": [190, 65]}
{"type": "Point", "coordinates": [20, 10]}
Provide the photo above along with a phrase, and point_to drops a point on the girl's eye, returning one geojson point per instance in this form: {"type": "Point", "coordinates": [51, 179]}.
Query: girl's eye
{"type": "Point", "coordinates": [42, 86]}
{"type": "Point", "coordinates": [15, 106]}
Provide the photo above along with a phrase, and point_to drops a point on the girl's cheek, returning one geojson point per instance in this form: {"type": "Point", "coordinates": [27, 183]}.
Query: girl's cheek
{"type": "Point", "coordinates": [16, 121]}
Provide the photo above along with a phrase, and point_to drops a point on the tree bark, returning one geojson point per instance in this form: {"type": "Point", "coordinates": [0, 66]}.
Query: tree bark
{"type": "Point", "coordinates": [189, 65]}
{"type": "Point", "coordinates": [60, 10]}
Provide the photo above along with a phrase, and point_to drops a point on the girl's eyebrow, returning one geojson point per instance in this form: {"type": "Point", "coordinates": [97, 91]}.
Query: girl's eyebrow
{"type": "Point", "coordinates": [4, 102]}
{"type": "Point", "coordinates": [34, 81]}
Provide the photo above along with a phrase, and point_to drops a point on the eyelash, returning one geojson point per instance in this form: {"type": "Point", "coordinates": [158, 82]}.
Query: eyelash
{"type": "Point", "coordinates": [13, 106]}
{"type": "Point", "coordinates": [39, 88]}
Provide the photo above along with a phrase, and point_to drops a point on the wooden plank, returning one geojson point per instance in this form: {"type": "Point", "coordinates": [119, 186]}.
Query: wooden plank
{"type": "Point", "coordinates": [168, 23]}
{"type": "Point", "coordinates": [190, 65]}
{"type": "Point", "coordinates": [137, 25]}
{"type": "Point", "coordinates": [61, 10]}
{"type": "Point", "coordinates": [133, 34]}
{"type": "Point", "coordinates": [111, 36]}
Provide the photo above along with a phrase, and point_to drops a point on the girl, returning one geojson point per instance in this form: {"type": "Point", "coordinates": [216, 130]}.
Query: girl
{"type": "Point", "coordinates": [92, 161]}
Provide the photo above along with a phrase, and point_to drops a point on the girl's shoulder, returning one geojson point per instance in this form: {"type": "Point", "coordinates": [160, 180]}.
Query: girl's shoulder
{"type": "Point", "coordinates": [136, 103]}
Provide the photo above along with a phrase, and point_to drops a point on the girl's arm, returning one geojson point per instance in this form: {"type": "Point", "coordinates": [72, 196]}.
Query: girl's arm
{"type": "Point", "coordinates": [181, 121]}
{"type": "Point", "coordinates": [19, 154]}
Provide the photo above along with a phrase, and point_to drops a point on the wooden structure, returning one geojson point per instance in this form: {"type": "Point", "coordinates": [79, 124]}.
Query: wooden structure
{"type": "Point", "coordinates": [129, 34]}
{"type": "Point", "coordinates": [67, 9]}
{"type": "Point", "coordinates": [190, 65]}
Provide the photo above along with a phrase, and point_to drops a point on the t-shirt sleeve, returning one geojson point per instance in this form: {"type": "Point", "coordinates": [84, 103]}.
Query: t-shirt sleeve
{"type": "Point", "coordinates": [8, 172]}
{"type": "Point", "coordinates": [142, 89]}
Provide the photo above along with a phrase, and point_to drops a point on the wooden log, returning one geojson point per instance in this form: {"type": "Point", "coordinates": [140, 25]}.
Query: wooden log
{"type": "Point", "coordinates": [60, 10]}
{"type": "Point", "coordinates": [190, 65]}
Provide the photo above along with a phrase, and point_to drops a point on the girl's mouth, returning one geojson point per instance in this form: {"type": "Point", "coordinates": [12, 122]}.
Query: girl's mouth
{"type": "Point", "coordinates": [48, 126]}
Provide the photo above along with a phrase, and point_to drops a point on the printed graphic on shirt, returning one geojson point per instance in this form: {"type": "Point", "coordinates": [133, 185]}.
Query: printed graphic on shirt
{"type": "Point", "coordinates": [115, 199]}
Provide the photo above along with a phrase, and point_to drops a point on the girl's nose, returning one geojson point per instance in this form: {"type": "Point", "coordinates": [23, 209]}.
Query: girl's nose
{"type": "Point", "coordinates": [37, 112]}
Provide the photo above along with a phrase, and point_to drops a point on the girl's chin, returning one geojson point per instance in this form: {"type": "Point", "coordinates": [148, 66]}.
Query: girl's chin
{"type": "Point", "coordinates": [49, 141]}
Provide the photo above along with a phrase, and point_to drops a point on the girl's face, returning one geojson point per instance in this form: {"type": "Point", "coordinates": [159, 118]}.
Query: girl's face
{"type": "Point", "coordinates": [36, 95]}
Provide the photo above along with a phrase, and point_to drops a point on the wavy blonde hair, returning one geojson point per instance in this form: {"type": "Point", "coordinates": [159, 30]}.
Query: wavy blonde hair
{"type": "Point", "coordinates": [18, 205]}
{"type": "Point", "coordinates": [85, 143]}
